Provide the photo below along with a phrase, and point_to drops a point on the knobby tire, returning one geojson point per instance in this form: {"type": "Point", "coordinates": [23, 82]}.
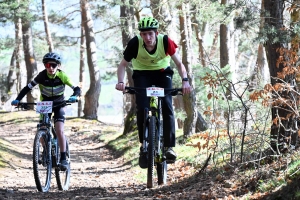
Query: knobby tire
{"type": "Point", "coordinates": [42, 163]}
{"type": "Point", "coordinates": [63, 177]}
{"type": "Point", "coordinates": [161, 167]}
{"type": "Point", "coordinates": [151, 148]}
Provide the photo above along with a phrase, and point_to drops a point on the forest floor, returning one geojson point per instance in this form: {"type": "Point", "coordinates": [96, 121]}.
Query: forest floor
{"type": "Point", "coordinates": [97, 172]}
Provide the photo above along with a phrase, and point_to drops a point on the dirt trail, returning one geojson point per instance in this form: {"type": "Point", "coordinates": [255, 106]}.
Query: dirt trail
{"type": "Point", "coordinates": [96, 173]}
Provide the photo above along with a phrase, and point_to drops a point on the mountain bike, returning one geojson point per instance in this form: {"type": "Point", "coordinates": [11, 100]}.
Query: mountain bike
{"type": "Point", "coordinates": [153, 145]}
{"type": "Point", "coordinates": [46, 152]}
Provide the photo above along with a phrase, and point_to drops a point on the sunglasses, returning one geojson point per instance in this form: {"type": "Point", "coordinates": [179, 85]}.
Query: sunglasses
{"type": "Point", "coordinates": [53, 65]}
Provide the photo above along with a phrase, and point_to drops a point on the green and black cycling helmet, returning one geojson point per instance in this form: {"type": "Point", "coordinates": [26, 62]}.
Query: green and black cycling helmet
{"type": "Point", "coordinates": [51, 56]}
{"type": "Point", "coordinates": [148, 23]}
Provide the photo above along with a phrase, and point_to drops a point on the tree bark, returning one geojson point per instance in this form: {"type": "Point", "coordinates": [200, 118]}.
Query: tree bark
{"type": "Point", "coordinates": [46, 25]}
{"type": "Point", "coordinates": [259, 75]}
{"type": "Point", "coordinates": [11, 79]}
{"type": "Point", "coordinates": [31, 65]}
{"type": "Point", "coordinates": [161, 12]}
{"type": "Point", "coordinates": [92, 95]}
{"type": "Point", "coordinates": [127, 24]}
{"type": "Point", "coordinates": [274, 19]}
{"type": "Point", "coordinates": [18, 50]}
{"type": "Point", "coordinates": [81, 69]}
{"type": "Point", "coordinates": [189, 100]}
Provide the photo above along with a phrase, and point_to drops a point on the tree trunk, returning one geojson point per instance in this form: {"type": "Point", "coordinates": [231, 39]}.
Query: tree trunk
{"type": "Point", "coordinates": [199, 35]}
{"type": "Point", "coordinates": [201, 124]}
{"type": "Point", "coordinates": [47, 30]}
{"type": "Point", "coordinates": [259, 76]}
{"type": "Point", "coordinates": [260, 52]}
{"type": "Point", "coordinates": [274, 19]}
{"type": "Point", "coordinates": [214, 46]}
{"type": "Point", "coordinates": [179, 107]}
{"type": "Point", "coordinates": [161, 12]}
{"type": "Point", "coordinates": [225, 45]}
{"type": "Point", "coordinates": [11, 78]}
{"type": "Point", "coordinates": [189, 99]}
{"type": "Point", "coordinates": [127, 24]}
{"type": "Point", "coordinates": [92, 95]}
{"type": "Point", "coordinates": [18, 49]}
{"type": "Point", "coordinates": [31, 65]}
{"type": "Point", "coordinates": [81, 69]}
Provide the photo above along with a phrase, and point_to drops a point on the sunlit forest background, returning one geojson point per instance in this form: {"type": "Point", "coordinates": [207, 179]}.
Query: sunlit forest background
{"type": "Point", "coordinates": [241, 58]}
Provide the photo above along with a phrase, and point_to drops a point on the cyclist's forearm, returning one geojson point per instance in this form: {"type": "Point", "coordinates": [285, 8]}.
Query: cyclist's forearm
{"type": "Point", "coordinates": [181, 68]}
{"type": "Point", "coordinates": [77, 91]}
{"type": "Point", "coordinates": [121, 74]}
{"type": "Point", "coordinates": [22, 93]}
{"type": "Point", "coordinates": [121, 71]}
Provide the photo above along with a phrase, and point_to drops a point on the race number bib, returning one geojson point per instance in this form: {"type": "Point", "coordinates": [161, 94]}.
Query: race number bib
{"type": "Point", "coordinates": [155, 92]}
{"type": "Point", "coordinates": [44, 107]}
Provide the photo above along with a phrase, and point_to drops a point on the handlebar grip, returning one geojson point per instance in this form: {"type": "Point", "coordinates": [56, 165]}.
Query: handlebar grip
{"type": "Point", "coordinates": [67, 101]}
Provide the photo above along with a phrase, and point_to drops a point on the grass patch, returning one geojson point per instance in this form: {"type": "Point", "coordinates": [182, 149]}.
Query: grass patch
{"type": "Point", "coordinates": [7, 151]}
{"type": "Point", "coordinates": [128, 146]}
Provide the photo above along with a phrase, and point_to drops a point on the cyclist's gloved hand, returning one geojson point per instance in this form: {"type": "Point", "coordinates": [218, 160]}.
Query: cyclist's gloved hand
{"type": "Point", "coordinates": [15, 102]}
{"type": "Point", "coordinates": [72, 99]}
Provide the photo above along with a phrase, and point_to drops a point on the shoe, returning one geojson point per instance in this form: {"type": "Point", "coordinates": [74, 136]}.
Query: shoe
{"type": "Point", "coordinates": [64, 165]}
{"type": "Point", "coordinates": [143, 160]}
{"type": "Point", "coordinates": [170, 155]}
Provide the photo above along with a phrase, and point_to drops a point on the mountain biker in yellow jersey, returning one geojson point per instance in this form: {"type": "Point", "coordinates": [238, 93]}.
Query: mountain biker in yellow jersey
{"type": "Point", "coordinates": [52, 83]}
{"type": "Point", "coordinates": [150, 54]}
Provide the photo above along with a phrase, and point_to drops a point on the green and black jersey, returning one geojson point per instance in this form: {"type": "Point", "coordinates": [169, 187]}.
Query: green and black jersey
{"type": "Point", "coordinates": [52, 87]}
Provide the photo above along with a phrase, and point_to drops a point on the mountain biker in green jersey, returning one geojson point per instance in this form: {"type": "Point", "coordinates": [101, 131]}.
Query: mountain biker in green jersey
{"type": "Point", "coordinates": [150, 54]}
{"type": "Point", "coordinates": [52, 83]}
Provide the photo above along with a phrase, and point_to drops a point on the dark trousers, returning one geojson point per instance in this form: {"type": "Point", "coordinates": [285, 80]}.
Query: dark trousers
{"type": "Point", "coordinates": [159, 78]}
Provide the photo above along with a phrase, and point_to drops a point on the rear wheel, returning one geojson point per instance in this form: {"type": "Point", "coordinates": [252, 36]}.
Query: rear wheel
{"type": "Point", "coordinates": [63, 177]}
{"type": "Point", "coordinates": [151, 147]}
{"type": "Point", "coordinates": [42, 164]}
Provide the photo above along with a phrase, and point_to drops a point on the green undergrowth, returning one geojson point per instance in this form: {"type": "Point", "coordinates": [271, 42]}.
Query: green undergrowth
{"type": "Point", "coordinates": [279, 179]}
{"type": "Point", "coordinates": [128, 145]}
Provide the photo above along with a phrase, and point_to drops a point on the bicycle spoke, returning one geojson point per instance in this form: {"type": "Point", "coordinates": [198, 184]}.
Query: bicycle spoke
{"type": "Point", "coordinates": [41, 162]}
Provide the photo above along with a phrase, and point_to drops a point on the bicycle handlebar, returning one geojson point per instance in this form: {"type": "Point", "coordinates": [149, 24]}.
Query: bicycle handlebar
{"type": "Point", "coordinates": [168, 91]}
{"type": "Point", "coordinates": [24, 105]}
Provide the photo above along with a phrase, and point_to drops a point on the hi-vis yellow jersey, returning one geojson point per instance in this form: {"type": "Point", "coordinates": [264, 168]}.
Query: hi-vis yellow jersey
{"type": "Point", "coordinates": [146, 61]}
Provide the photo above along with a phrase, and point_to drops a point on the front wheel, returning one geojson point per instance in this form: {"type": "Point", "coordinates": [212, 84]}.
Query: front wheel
{"type": "Point", "coordinates": [151, 148]}
{"type": "Point", "coordinates": [63, 177]}
{"type": "Point", "coordinates": [42, 163]}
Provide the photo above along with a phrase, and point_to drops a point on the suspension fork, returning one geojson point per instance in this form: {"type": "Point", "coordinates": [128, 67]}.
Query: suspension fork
{"type": "Point", "coordinates": [145, 130]}
{"type": "Point", "coordinates": [159, 136]}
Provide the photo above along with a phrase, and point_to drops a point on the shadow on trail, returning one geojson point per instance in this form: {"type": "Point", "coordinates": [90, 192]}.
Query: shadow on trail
{"type": "Point", "coordinates": [73, 193]}
{"type": "Point", "coordinates": [52, 194]}
{"type": "Point", "coordinates": [19, 122]}
{"type": "Point", "coordinates": [9, 150]}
